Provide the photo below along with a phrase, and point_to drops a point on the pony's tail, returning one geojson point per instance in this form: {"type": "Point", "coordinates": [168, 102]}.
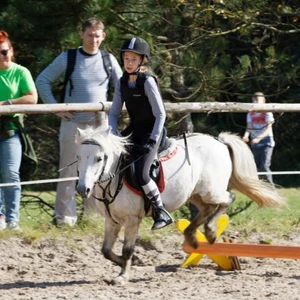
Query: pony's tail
{"type": "Point", "coordinates": [244, 177]}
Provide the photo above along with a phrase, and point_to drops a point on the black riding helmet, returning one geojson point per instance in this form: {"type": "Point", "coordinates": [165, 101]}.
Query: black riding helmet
{"type": "Point", "coordinates": [136, 45]}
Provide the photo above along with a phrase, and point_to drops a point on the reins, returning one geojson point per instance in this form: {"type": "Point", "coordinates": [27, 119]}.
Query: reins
{"type": "Point", "coordinates": [106, 191]}
{"type": "Point", "coordinates": [108, 197]}
{"type": "Point", "coordinates": [112, 175]}
{"type": "Point", "coordinates": [67, 166]}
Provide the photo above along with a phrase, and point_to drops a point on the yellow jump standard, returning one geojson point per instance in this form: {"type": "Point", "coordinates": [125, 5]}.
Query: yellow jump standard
{"type": "Point", "coordinates": [194, 258]}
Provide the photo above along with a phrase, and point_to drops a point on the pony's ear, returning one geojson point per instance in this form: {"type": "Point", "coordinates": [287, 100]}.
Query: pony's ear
{"type": "Point", "coordinates": [79, 135]}
{"type": "Point", "coordinates": [80, 132]}
{"type": "Point", "coordinates": [108, 130]}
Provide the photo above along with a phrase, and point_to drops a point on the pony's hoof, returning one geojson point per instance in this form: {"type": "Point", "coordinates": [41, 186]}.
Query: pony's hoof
{"type": "Point", "coordinates": [211, 240]}
{"type": "Point", "coordinates": [120, 280]}
{"type": "Point", "coordinates": [210, 235]}
{"type": "Point", "coordinates": [135, 261]}
{"type": "Point", "coordinates": [191, 240]}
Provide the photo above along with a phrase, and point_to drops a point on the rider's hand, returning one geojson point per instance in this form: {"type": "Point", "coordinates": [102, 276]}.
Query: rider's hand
{"type": "Point", "coordinates": [255, 141]}
{"type": "Point", "coordinates": [146, 148]}
{"type": "Point", "coordinates": [245, 139]}
{"type": "Point", "coordinates": [66, 116]}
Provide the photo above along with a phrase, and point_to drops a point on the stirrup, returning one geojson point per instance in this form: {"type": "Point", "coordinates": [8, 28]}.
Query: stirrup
{"type": "Point", "coordinates": [162, 218]}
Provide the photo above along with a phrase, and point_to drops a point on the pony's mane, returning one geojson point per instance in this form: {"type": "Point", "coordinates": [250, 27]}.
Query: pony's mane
{"type": "Point", "coordinates": [103, 137]}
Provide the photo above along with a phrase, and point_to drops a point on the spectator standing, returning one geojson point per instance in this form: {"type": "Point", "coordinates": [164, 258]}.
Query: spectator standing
{"type": "Point", "coordinates": [89, 83]}
{"type": "Point", "coordinates": [259, 134]}
{"type": "Point", "coordinates": [16, 87]}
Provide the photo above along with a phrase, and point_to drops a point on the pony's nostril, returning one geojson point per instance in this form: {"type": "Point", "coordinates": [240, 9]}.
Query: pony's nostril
{"type": "Point", "coordinates": [87, 191]}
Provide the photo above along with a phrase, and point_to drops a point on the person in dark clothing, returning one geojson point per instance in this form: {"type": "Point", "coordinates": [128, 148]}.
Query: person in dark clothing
{"type": "Point", "coordinates": [139, 90]}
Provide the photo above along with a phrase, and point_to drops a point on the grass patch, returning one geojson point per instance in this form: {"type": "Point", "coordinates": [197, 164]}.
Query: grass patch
{"type": "Point", "coordinates": [37, 219]}
{"type": "Point", "coordinates": [281, 221]}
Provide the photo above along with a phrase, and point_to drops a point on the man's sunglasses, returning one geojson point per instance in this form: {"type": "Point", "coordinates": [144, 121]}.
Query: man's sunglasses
{"type": "Point", "coordinates": [4, 52]}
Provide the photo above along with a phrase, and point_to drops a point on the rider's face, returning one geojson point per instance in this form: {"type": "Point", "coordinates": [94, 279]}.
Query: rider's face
{"type": "Point", "coordinates": [132, 61]}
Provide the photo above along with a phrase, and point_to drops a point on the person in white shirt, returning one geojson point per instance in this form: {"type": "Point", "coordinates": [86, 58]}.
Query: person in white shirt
{"type": "Point", "coordinates": [259, 134]}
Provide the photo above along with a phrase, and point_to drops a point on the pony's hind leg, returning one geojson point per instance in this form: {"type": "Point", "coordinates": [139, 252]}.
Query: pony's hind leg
{"type": "Point", "coordinates": [205, 210]}
{"type": "Point", "coordinates": [211, 223]}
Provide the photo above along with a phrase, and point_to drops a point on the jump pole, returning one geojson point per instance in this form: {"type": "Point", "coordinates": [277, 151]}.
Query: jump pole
{"type": "Point", "coordinates": [248, 250]}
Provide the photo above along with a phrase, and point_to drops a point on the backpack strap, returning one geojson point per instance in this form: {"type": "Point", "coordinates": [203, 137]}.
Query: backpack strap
{"type": "Point", "coordinates": [69, 70]}
{"type": "Point", "coordinates": [71, 65]}
{"type": "Point", "coordinates": [108, 69]}
{"type": "Point", "coordinates": [106, 63]}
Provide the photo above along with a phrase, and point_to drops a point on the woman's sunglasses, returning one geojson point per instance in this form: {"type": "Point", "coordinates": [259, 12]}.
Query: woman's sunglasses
{"type": "Point", "coordinates": [4, 52]}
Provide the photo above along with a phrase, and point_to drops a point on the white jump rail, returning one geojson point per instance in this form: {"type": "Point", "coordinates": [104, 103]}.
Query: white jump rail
{"type": "Point", "coordinates": [39, 181]}
{"type": "Point", "coordinates": [76, 178]}
{"type": "Point", "coordinates": [181, 107]}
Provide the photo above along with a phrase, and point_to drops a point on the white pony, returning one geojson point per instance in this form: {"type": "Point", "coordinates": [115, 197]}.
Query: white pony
{"type": "Point", "coordinates": [203, 171]}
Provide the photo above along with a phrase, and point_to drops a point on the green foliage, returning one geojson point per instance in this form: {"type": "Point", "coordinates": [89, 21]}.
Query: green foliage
{"type": "Point", "coordinates": [183, 213]}
{"type": "Point", "coordinates": [201, 51]}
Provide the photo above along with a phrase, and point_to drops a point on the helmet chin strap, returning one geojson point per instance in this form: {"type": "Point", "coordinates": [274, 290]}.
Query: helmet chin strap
{"type": "Point", "coordinates": [136, 72]}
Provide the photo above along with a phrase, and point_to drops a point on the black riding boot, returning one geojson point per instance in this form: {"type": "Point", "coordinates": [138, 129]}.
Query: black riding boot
{"type": "Point", "coordinates": [161, 216]}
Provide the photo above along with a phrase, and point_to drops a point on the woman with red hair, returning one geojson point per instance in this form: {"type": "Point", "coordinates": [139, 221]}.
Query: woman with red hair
{"type": "Point", "coordinates": [16, 87]}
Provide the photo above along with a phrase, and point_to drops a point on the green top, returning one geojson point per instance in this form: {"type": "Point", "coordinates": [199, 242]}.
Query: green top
{"type": "Point", "coordinates": [15, 82]}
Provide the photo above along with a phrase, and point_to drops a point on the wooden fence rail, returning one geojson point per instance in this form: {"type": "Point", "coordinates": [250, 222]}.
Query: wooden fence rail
{"type": "Point", "coordinates": [182, 107]}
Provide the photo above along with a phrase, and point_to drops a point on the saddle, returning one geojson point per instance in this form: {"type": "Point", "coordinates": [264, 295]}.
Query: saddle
{"type": "Point", "coordinates": [156, 173]}
{"type": "Point", "coordinates": [166, 151]}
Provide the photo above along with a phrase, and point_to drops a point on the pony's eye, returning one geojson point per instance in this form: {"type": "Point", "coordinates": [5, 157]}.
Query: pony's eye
{"type": "Point", "coordinates": [98, 159]}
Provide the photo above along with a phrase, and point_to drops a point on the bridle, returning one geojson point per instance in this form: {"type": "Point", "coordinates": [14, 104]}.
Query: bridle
{"type": "Point", "coordinates": [108, 197]}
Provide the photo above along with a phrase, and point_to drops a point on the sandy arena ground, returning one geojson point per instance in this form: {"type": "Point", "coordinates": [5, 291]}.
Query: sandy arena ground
{"type": "Point", "coordinates": [78, 270]}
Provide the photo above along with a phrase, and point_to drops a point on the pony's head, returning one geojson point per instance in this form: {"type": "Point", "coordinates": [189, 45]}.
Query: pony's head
{"type": "Point", "coordinates": [98, 150]}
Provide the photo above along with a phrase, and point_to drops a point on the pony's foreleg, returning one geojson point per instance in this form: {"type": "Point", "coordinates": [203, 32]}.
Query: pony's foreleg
{"type": "Point", "coordinates": [130, 234]}
{"type": "Point", "coordinates": [211, 224]}
{"type": "Point", "coordinates": [110, 235]}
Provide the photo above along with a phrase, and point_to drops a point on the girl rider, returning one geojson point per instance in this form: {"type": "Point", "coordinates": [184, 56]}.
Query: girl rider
{"type": "Point", "coordinates": [140, 92]}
